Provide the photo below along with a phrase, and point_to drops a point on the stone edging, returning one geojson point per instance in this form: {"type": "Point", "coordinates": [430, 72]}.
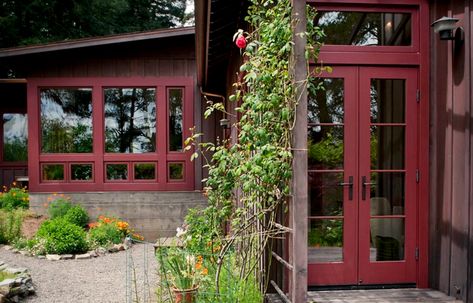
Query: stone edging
{"type": "Point", "coordinates": [91, 254]}
{"type": "Point", "coordinates": [11, 290]}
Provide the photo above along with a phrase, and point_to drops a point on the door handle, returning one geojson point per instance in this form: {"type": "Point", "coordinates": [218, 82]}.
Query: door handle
{"type": "Point", "coordinates": [350, 187]}
{"type": "Point", "coordinates": [364, 186]}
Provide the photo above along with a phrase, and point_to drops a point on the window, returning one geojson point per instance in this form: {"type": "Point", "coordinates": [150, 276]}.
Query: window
{"type": "Point", "coordinates": [365, 28]}
{"type": "Point", "coordinates": [112, 134]}
{"type": "Point", "coordinates": [15, 137]}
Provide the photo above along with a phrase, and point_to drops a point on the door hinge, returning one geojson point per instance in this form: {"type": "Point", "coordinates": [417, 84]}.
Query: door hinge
{"type": "Point", "coordinates": [418, 96]}
{"type": "Point", "coordinates": [417, 176]}
{"type": "Point", "coordinates": [417, 253]}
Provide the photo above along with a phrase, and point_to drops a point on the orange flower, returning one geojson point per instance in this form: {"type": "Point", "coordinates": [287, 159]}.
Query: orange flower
{"type": "Point", "coordinates": [200, 259]}
{"type": "Point", "coordinates": [198, 266]}
{"type": "Point", "coordinates": [93, 225]}
{"type": "Point", "coordinates": [50, 198]}
{"type": "Point", "coordinates": [205, 271]}
{"type": "Point", "coordinates": [45, 205]}
{"type": "Point", "coordinates": [216, 248]}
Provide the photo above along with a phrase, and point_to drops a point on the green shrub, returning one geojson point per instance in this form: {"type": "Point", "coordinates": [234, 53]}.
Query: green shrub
{"type": "Point", "coordinates": [10, 225]}
{"type": "Point", "coordinates": [104, 235]}
{"type": "Point", "coordinates": [24, 244]}
{"type": "Point", "coordinates": [14, 198]}
{"type": "Point", "coordinates": [77, 215]}
{"type": "Point", "coordinates": [62, 237]}
{"type": "Point", "coordinates": [59, 207]}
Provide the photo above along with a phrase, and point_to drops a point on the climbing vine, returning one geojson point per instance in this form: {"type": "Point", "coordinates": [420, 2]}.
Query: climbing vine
{"type": "Point", "coordinates": [249, 180]}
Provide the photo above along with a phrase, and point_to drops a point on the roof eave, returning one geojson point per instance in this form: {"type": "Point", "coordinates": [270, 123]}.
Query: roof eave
{"type": "Point", "coordinates": [96, 41]}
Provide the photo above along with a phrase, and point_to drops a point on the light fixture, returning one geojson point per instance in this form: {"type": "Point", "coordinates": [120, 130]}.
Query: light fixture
{"type": "Point", "coordinates": [445, 26]}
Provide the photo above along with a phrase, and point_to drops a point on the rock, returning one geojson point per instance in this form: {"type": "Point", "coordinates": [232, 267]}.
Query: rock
{"type": "Point", "coordinates": [7, 247]}
{"type": "Point", "coordinates": [83, 256]}
{"type": "Point", "coordinates": [25, 253]}
{"type": "Point", "coordinates": [2, 298]}
{"type": "Point", "coordinates": [7, 283]}
{"type": "Point", "coordinates": [67, 257]}
{"type": "Point", "coordinates": [101, 251]}
{"type": "Point", "coordinates": [14, 250]}
{"type": "Point", "coordinates": [15, 271]}
{"type": "Point", "coordinates": [93, 254]}
{"type": "Point", "coordinates": [113, 249]}
{"type": "Point", "coordinates": [53, 257]}
{"type": "Point", "coordinates": [127, 243]}
{"type": "Point", "coordinates": [41, 257]}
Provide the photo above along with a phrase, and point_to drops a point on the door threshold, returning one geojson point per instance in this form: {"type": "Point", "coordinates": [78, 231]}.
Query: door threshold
{"type": "Point", "coordinates": [361, 287]}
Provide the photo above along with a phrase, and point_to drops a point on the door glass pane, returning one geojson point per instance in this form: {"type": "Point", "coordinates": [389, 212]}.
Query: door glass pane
{"type": "Point", "coordinates": [15, 137]}
{"type": "Point", "coordinates": [325, 240]}
{"type": "Point", "coordinates": [387, 239]}
{"type": "Point", "coordinates": [325, 105]}
{"type": "Point", "coordinates": [176, 171]}
{"type": "Point", "coordinates": [325, 145]}
{"type": "Point", "coordinates": [387, 147]}
{"type": "Point", "coordinates": [387, 194]}
{"type": "Point", "coordinates": [365, 29]}
{"type": "Point", "coordinates": [130, 120]}
{"type": "Point", "coordinates": [66, 120]}
{"type": "Point", "coordinates": [325, 194]}
{"type": "Point", "coordinates": [175, 119]}
{"type": "Point", "coordinates": [388, 100]}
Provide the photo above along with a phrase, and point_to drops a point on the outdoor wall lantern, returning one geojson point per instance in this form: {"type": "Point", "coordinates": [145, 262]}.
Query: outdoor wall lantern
{"type": "Point", "coordinates": [445, 27]}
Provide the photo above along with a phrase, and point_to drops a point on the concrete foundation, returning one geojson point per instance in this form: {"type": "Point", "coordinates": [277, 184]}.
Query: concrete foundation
{"type": "Point", "coordinates": [152, 214]}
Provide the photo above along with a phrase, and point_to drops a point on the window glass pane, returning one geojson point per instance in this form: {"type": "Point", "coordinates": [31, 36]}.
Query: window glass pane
{"type": "Point", "coordinates": [145, 171]}
{"type": "Point", "coordinates": [388, 100]}
{"type": "Point", "coordinates": [325, 240]}
{"type": "Point", "coordinates": [52, 172]}
{"type": "Point", "coordinates": [176, 171]}
{"type": "Point", "coordinates": [66, 120]}
{"type": "Point", "coordinates": [175, 119]}
{"type": "Point", "coordinates": [365, 29]}
{"type": "Point", "coordinates": [387, 239]}
{"type": "Point", "coordinates": [130, 120]}
{"type": "Point", "coordinates": [81, 172]}
{"type": "Point", "coordinates": [15, 137]}
{"type": "Point", "coordinates": [325, 105]}
{"type": "Point", "coordinates": [117, 171]}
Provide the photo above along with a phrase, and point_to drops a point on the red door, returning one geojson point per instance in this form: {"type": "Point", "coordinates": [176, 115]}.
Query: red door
{"type": "Point", "coordinates": [362, 177]}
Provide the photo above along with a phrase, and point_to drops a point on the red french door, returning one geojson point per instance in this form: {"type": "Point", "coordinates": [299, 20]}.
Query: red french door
{"type": "Point", "coordinates": [362, 142]}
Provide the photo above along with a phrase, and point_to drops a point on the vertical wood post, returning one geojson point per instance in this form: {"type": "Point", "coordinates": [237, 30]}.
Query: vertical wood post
{"type": "Point", "coordinates": [298, 209]}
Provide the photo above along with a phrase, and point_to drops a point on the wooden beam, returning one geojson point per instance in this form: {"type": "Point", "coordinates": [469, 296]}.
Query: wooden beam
{"type": "Point", "coordinates": [298, 206]}
{"type": "Point", "coordinates": [13, 81]}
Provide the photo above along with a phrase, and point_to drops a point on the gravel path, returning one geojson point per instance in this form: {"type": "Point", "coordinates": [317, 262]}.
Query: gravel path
{"type": "Point", "coordinates": [101, 279]}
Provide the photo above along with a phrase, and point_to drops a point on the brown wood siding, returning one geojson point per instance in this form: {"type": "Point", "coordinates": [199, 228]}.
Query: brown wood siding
{"type": "Point", "coordinates": [451, 245]}
{"type": "Point", "coordinates": [173, 56]}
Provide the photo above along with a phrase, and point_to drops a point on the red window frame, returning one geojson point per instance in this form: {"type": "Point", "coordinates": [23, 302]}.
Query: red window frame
{"type": "Point", "coordinates": [383, 55]}
{"type": "Point", "coordinates": [99, 158]}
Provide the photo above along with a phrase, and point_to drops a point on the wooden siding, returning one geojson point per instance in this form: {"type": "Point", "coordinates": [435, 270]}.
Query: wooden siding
{"type": "Point", "coordinates": [158, 58]}
{"type": "Point", "coordinates": [451, 214]}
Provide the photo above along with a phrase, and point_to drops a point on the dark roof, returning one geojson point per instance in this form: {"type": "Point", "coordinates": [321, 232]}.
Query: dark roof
{"type": "Point", "coordinates": [96, 41]}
